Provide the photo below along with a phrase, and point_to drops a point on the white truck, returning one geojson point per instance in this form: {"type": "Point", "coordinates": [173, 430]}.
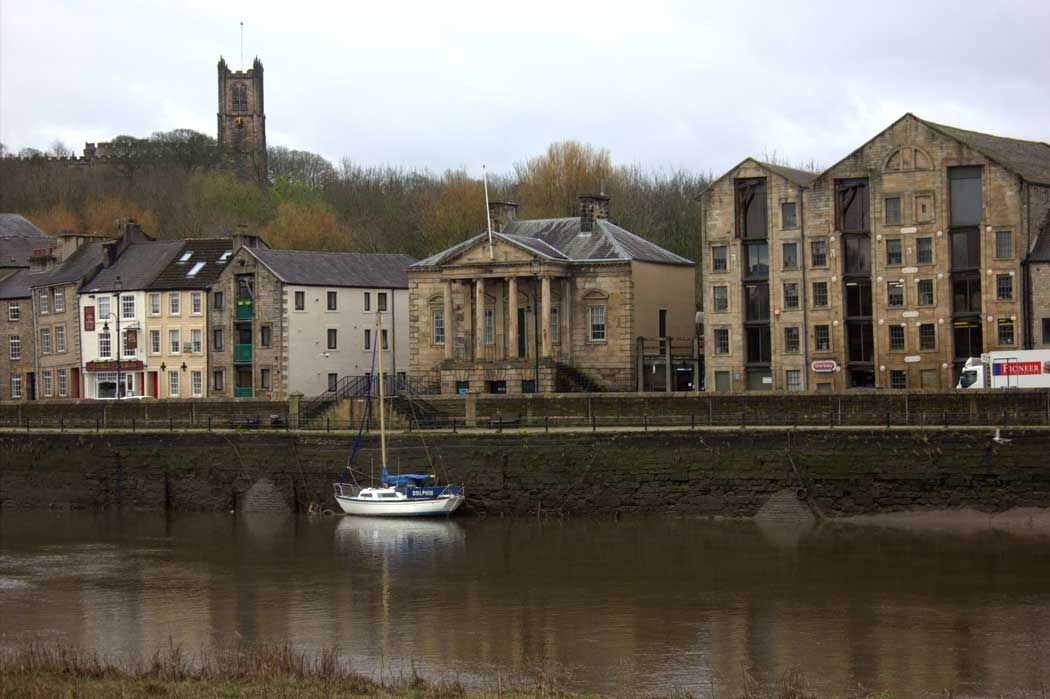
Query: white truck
{"type": "Point", "coordinates": [1008, 369]}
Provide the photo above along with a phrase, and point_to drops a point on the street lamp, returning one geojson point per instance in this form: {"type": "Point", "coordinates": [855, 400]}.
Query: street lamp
{"type": "Point", "coordinates": [115, 314]}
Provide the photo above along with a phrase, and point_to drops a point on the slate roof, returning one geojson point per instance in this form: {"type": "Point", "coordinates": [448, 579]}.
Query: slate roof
{"type": "Point", "coordinates": [18, 239]}
{"type": "Point", "coordinates": [137, 266]}
{"type": "Point", "coordinates": [799, 177]}
{"type": "Point", "coordinates": [17, 284]}
{"type": "Point", "coordinates": [562, 239]}
{"type": "Point", "coordinates": [16, 226]}
{"type": "Point", "coordinates": [356, 269]}
{"type": "Point", "coordinates": [1029, 159]}
{"type": "Point", "coordinates": [211, 251]}
{"type": "Point", "coordinates": [81, 263]}
{"type": "Point", "coordinates": [802, 178]}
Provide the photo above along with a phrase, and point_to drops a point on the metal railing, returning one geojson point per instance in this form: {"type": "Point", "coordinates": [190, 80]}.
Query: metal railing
{"type": "Point", "coordinates": [413, 418]}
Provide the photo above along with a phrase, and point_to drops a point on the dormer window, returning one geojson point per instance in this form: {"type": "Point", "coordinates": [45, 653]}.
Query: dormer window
{"type": "Point", "coordinates": [196, 268]}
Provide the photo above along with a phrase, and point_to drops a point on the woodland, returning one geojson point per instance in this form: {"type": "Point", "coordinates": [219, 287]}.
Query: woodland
{"type": "Point", "coordinates": [174, 185]}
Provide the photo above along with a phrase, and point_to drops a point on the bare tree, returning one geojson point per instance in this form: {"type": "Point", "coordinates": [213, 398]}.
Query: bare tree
{"type": "Point", "coordinates": [299, 166]}
{"type": "Point", "coordinates": [59, 149]}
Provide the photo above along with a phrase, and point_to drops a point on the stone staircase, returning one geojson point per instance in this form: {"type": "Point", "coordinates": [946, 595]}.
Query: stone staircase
{"type": "Point", "coordinates": [569, 379]}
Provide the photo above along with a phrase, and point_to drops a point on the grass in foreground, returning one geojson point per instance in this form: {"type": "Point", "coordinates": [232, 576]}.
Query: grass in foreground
{"type": "Point", "coordinates": [38, 670]}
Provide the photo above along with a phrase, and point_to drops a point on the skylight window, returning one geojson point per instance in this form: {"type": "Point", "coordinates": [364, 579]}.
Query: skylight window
{"type": "Point", "coordinates": [225, 256]}
{"type": "Point", "coordinates": [196, 268]}
{"type": "Point", "coordinates": [185, 257]}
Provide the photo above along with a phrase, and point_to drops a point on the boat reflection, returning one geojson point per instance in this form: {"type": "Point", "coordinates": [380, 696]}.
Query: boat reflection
{"type": "Point", "coordinates": [409, 537]}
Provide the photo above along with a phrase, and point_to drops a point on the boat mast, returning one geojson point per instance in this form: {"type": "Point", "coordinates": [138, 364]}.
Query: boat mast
{"type": "Point", "coordinates": [382, 409]}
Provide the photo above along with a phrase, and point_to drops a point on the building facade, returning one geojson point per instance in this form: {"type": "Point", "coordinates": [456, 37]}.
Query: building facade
{"type": "Point", "coordinates": [887, 270]}
{"type": "Point", "coordinates": [57, 316]}
{"type": "Point", "coordinates": [113, 307]}
{"type": "Point", "coordinates": [24, 248]}
{"type": "Point", "coordinates": [566, 297]}
{"type": "Point", "coordinates": [18, 349]}
{"type": "Point", "coordinates": [296, 321]}
{"type": "Point", "coordinates": [177, 306]}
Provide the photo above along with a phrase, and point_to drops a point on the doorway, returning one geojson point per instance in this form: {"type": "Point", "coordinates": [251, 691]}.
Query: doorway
{"type": "Point", "coordinates": [662, 329]}
{"type": "Point", "coordinates": [521, 333]}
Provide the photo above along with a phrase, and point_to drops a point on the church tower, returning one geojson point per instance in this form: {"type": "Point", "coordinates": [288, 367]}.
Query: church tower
{"type": "Point", "coordinates": [242, 121]}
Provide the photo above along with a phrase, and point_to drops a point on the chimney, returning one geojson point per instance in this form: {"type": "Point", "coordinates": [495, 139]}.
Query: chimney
{"type": "Point", "coordinates": [243, 238]}
{"type": "Point", "coordinates": [502, 213]}
{"type": "Point", "coordinates": [592, 207]}
{"type": "Point", "coordinates": [109, 252]}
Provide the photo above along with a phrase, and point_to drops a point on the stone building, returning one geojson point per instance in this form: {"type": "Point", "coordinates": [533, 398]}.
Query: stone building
{"type": "Point", "coordinates": [1037, 280]}
{"type": "Point", "coordinates": [886, 270]}
{"type": "Point", "coordinates": [297, 321]}
{"type": "Point", "coordinates": [548, 301]}
{"type": "Point", "coordinates": [176, 316]}
{"type": "Point", "coordinates": [56, 311]}
{"type": "Point", "coordinates": [242, 121]}
{"type": "Point", "coordinates": [18, 348]}
{"type": "Point", "coordinates": [113, 310]}
{"type": "Point", "coordinates": [22, 246]}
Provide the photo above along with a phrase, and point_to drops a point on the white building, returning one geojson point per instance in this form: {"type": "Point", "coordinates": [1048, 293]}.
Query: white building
{"type": "Point", "coordinates": [115, 297]}
{"type": "Point", "coordinates": [300, 321]}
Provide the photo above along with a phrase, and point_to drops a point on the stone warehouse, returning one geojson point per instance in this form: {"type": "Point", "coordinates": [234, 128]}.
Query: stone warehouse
{"type": "Point", "coordinates": [545, 302]}
{"type": "Point", "coordinates": [283, 321]}
{"type": "Point", "coordinates": [887, 270]}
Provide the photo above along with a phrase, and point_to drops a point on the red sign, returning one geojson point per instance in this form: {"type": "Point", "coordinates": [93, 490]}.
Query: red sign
{"type": "Point", "coordinates": [823, 366]}
{"type": "Point", "coordinates": [1018, 369]}
{"type": "Point", "coordinates": [89, 317]}
{"type": "Point", "coordinates": [131, 340]}
{"type": "Point", "coordinates": [114, 365]}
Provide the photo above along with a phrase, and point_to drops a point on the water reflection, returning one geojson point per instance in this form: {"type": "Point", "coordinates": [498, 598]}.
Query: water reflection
{"type": "Point", "coordinates": [639, 606]}
{"type": "Point", "coordinates": [409, 539]}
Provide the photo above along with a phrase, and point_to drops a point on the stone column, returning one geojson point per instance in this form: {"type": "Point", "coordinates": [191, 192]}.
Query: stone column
{"type": "Point", "coordinates": [566, 314]}
{"type": "Point", "coordinates": [545, 319]}
{"type": "Point", "coordinates": [512, 319]}
{"type": "Point", "coordinates": [294, 399]}
{"type": "Point", "coordinates": [450, 321]}
{"type": "Point", "coordinates": [479, 319]}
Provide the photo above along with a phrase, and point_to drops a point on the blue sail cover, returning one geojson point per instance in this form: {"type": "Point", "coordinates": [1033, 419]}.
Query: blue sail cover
{"type": "Point", "coordinates": [408, 480]}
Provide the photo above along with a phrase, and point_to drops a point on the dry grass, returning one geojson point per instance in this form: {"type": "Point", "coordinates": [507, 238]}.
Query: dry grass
{"type": "Point", "coordinates": [39, 670]}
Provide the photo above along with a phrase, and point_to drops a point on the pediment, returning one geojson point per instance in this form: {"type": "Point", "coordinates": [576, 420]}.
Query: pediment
{"type": "Point", "coordinates": [502, 251]}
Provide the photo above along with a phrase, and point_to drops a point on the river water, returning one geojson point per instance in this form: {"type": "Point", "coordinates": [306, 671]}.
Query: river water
{"type": "Point", "coordinates": [636, 607]}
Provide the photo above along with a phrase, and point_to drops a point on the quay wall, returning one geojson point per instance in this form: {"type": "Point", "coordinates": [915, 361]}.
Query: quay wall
{"type": "Point", "coordinates": [1000, 407]}
{"type": "Point", "coordinates": [715, 472]}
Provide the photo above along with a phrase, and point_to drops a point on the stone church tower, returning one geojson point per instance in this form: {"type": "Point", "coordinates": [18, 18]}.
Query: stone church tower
{"type": "Point", "coordinates": [242, 121]}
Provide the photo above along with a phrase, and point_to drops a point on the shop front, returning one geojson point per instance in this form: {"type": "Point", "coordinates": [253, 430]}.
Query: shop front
{"type": "Point", "coordinates": [106, 379]}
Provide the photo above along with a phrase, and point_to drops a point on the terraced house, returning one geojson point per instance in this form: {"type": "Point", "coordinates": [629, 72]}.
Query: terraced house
{"type": "Point", "coordinates": [56, 315]}
{"type": "Point", "coordinates": [113, 313]}
{"type": "Point", "coordinates": [22, 247]}
{"type": "Point", "coordinates": [176, 317]}
{"type": "Point", "coordinates": [887, 270]}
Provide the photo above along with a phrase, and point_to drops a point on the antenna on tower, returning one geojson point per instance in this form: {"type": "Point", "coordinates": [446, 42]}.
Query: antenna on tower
{"type": "Point", "coordinates": [242, 46]}
{"type": "Point", "coordinates": [488, 211]}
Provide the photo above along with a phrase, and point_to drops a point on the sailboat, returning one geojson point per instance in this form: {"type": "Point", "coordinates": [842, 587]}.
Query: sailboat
{"type": "Point", "coordinates": [402, 495]}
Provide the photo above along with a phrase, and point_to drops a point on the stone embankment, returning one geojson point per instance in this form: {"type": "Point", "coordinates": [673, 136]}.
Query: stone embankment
{"type": "Point", "coordinates": [732, 473]}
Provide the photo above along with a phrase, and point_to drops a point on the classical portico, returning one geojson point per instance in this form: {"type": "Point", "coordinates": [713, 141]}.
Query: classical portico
{"type": "Point", "coordinates": [536, 302]}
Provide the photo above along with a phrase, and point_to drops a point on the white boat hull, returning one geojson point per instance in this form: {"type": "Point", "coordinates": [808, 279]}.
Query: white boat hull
{"type": "Point", "coordinates": [442, 505]}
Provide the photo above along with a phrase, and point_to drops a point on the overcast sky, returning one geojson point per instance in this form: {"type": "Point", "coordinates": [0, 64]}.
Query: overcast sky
{"type": "Point", "coordinates": [456, 84]}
